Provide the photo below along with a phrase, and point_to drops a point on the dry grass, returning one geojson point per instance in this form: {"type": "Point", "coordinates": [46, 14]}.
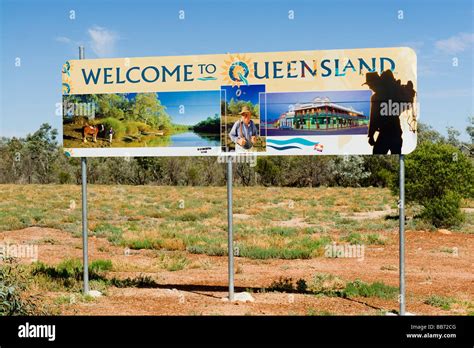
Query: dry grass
{"type": "Point", "coordinates": [285, 220]}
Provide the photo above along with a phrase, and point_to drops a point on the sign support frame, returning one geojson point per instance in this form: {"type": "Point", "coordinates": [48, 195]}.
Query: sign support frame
{"type": "Point", "coordinates": [402, 235]}
{"type": "Point", "coordinates": [85, 244]}
{"type": "Point", "coordinates": [230, 228]}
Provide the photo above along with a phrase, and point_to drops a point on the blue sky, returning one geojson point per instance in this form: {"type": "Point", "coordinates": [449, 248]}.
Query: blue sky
{"type": "Point", "coordinates": [247, 93]}
{"type": "Point", "coordinates": [42, 35]}
{"type": "Point", "coordinates": [198, 105]}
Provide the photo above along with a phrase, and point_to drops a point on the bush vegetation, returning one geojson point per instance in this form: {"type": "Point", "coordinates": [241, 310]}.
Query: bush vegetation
{"type": "Point", "coordinates": [15, 296]}
{"type": "Point", "coordinates": [438, 176]}
{"type": "Point", "coordinates": [439, 173]}
{"type": "Point", "coordinates": [331, 285]}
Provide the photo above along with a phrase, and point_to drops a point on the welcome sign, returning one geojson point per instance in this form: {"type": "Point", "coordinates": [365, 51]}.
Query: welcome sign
{"type": "Point", "coordinates": [335, 102]}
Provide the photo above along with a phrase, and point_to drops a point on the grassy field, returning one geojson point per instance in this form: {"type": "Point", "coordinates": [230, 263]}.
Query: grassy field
{"type": "Point", "coordinates": [269, 222]}
{"type": "Point", "coordinates": [280, 236]}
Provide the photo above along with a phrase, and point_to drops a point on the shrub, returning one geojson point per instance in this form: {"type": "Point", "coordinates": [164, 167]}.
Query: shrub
{"type": "Point", "coordinates": [268, 170]}
{"type": "Point", "coordinates": [131, 128]}
{"type": "Point", "coordinates": [381, 169]}
{"type": "Point", "coordinates": [64, 177]}
{"type": "Point", "coordinates": [142, 127]}
{"type": "Point", "coordinates": [301, 285]}
{"type": "Point", "coordinates": [440, 302]}
{"type": "Point", "coordinates": [118, 126]}
{"type": "Point", "coordinates": [211, 250]}
{"type": "Point", "coordinates": [327, 284]}
{"type": "Point", "coordinates": [359, 288]}
{"type": "Point", "coordinates": [444, 210]}
{"type": "Point", "coordinates": [141, 281]}
{"type": "Point", "coordinates": [283, 284]}
{"type": "Point", "coordinates": [69, 271]}
{"type": "Point", "coordinates": [175, 263]}
{"type": "Point", "coordinates": [437, 177]}
{"type": "Point", "coordinates": [256, 252]}
{"type": "Point", "coordinates": [144, 244]}
{"type": "Point", "coordinates": [71, 268]}
{"type": "Point", "coordinates": [350, 171]}
{"type": "Point", "coordinates": [113, 233]}
{"type": "Point", "coordinates": [134, 127]}
{"type": "Point", "coordinates": [375, 239]}
{"type": "Point", "coordinates": [14, 286]}
{"type": "Point", "coordinates": [353, 238]}
{"type": "Point", "coordinates": [98, 266]}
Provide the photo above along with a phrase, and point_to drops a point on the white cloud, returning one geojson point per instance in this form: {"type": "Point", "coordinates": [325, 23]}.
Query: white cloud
{"type": "Point", "coordinates": [102, 41]}
{"type": "Point", "coordinates": [455, 44]}
{"type": "Point", "coordinates": [63, 39]}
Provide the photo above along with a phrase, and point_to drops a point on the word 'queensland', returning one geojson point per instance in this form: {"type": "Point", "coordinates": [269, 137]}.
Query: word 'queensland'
{"type": "Point", "coordinates": [266, 70]}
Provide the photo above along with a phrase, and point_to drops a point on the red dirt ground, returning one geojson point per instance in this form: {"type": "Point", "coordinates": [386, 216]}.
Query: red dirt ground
{"type": "Point", "coordinates": [200, 290]}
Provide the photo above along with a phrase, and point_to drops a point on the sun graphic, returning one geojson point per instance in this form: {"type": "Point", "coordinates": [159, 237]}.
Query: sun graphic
{"type": "Point", "coordinates": [237, 70]}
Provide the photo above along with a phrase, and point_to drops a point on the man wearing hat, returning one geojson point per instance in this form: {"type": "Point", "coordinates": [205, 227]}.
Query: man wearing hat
{"type": "Point", "coordinates": [244, 132]}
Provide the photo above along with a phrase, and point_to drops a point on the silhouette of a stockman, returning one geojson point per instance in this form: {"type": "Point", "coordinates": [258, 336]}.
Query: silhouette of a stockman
{"type": "Point", "coordinates": [389, 100]}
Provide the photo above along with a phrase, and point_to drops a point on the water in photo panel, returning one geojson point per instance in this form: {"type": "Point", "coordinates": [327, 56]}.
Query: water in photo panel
{"type": "Point", "coordinates": [187, 119]}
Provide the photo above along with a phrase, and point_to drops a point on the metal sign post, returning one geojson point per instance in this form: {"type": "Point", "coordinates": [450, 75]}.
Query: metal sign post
{"type": "Point", "coordinates": [85, 249]}
{"type": "Point", "coordinates": [230, 232]}
{"type": "Point", "coordinates": [402, 235]}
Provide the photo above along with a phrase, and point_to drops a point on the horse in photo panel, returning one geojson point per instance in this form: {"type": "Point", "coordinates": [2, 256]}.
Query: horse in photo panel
{"type": "Point", "coordinates": [88, 130]}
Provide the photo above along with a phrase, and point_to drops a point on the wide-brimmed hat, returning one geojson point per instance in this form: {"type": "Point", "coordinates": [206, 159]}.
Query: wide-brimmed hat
{"type": "Point", "coordinates": [371, 77]}
{"type": "Point", "coordinates": [245, 109]}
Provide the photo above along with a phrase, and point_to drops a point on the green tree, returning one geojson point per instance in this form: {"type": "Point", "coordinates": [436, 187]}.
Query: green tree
{"type": "Point", "coordinates": [209, 125]}
{"type": "Point", "coordinates": [304, 171]}
{"type": "Point", "coordinates": [427, 133]}
{"type": "Point", "coordinates": [245, 173]}
{"type": "Point", "coordinates": [110, 105]}
{"type": "Point", "coordinates": [148, 109]}
{"type": "Point", "coordinates": [10, 159]}
{"type": "Point", "coordinates": [350, 171]}
{"type": "Point", "coordinates": [233, 107]}
{"type": "Point", "coordinates": [268, 171]}
{"type": "Point", "coordinates": [470, 128]}
{"type": "Point", "coordinates": [437, 177]}
{"type": "Point", "coordinates": [453, 135]}
{"type": "Point", "coordinates": [40, 151]}
{"type": "Point", "coordinates": [381, 169]}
